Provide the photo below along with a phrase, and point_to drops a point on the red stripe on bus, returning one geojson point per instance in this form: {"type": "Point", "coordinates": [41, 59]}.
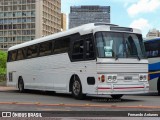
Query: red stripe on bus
{"type": "Point", "coordinates": [119, 88]}
{"type": "Point", "coordinates": [127, 87]}
{"type": "Point", "coordinates": [104, 88]}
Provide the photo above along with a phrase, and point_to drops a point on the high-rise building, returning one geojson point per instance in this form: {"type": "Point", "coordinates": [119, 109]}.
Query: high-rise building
{"type": "Point", "coordinates": [24, 20]}
{"type": "Point", "coordinates": [153, 33]}
{"type": "Point", "coordinates": [63, 21]}
{"type": "Point", "coordinates": [86, 14]}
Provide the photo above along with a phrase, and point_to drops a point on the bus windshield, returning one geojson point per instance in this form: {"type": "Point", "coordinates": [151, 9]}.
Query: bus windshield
{"type": "Point", "coordinates": [119, 45]}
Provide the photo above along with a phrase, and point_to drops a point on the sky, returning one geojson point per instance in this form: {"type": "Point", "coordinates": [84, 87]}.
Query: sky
{"type": "Point", "coordinates": [141, 14]}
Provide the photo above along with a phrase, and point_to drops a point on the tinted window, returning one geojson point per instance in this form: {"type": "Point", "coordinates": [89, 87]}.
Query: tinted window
{"type": "Point", "coordinates": [61, 45]}
{"type": "Point", "coordinates": [78, 49]}
{"type": "Point", "coordinates": [89, 49]}
{"type": "Point", "coordinates": [32, 51]}
{"type": "Point", "coordinates": [20, 55]}
{"type": "Point", "coordinates": [45, 48]}
{"type": "Point", "coordinates": [152, 49]}
{"type": "Point", "coordinates": [12, 56]}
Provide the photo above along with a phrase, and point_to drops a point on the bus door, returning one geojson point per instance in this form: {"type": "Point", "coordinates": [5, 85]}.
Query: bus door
{"type": "Point", "coordinates": [90, 63]}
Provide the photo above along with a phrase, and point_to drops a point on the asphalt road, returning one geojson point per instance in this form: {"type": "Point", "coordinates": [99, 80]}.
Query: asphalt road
{"type": "Point", "coordinates": [12, 100]}
{"type": "Point", "coordinates": [114, 109]}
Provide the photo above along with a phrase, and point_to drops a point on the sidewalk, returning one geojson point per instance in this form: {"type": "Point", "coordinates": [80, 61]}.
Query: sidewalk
{"type": "Point", "coordinates": [3, 87]}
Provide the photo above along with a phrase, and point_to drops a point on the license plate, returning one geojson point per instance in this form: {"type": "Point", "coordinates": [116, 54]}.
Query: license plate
{"type": "Point", "coordinates": [128, 78]}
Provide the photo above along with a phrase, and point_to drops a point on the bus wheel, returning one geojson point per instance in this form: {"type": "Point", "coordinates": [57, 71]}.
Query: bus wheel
{"type": "Point", "coordinates": [21, 85]}
{"type": "Point", "coordinates": [116, 96]}
{"type": "Point", "coordinates": [77, 89]}
{"type": "Point", "coordinates": [158, 86]}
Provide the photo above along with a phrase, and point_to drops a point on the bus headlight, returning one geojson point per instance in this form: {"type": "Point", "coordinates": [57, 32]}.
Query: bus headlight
{"type": "Point", "coordinates": [111, 78]}
{"type": "Point", "coordinates": [142, 77]}
{"type": "Point", "coordinates": [114, 78]}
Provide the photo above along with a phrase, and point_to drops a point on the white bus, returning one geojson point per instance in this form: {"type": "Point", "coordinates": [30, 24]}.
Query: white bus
{"type": "Point", "coordinates": [153, 53]}
{"type": "Point", "coordinates": [92, 59]}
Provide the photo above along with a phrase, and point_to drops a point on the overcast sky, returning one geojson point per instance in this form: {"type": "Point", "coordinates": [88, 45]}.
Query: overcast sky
{"type": "Point", "coordinates": [142, 14]}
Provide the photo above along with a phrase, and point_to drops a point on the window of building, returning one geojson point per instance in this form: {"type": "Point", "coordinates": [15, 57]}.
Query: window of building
{"type": "Point", "coordinates": [32, 37]}
{"type": "Point", "coordinates": [25, 38]}
{"type": "Point", "coordinates": [23, 1]}
{"type": "Point", "coordinates": [33, 6]}
{"type": "Point", "coordinates": [1, 39]}
{"type": "Point", "coordinates": [32, 25]}
{"type": "Point", "coordinates": [32, 19]}
{"type": "Point", "coordinates": [14, 7]}
{"type": "Point", "coordinates": [33, 13]}
{"type": "Point", "coordinates": [1, 14]}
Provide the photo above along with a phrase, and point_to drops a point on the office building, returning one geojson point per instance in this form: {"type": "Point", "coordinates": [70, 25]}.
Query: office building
{"type": "Point", "coordinates": [63, 21]}
{"type": "Point", "coordinates": [24, 20]}
{"type": "Point", "coordinates": [153, 33]}
{"type": "Point", "coordinates": [88, 14]}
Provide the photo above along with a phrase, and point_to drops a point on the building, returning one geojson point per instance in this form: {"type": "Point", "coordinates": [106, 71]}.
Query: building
{"type": "Point", "coordinates": [153, 33]}
{"type": "Point", "coordinates": [86, 14]}
{"type": "Point", "coordinates": [63, 21]}
{"type": "Point", "coordinates": [24, 20]}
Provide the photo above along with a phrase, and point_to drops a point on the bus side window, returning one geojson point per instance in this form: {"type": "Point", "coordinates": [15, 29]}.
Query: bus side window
{"type": "Point", "coordinates": [13, 55]}
{"type": "Point", "coordinates": [89, 49]}
{"type": "Point", "coordinates": [45, 48]}
{"type": "Point", "coordinates": [20, 54]}
{"type": "Point", "coordinates": [9, 56]}
{"type": "Point", "coordinates": [61, 45]}
{"type": "Point", "coordinates": [32, 51]}
{"type": "Point", "coordinates": [78, 50]}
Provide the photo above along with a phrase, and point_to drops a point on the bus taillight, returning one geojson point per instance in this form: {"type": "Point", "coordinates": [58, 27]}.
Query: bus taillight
{"type": "Point", "coordinates": [102, 78]}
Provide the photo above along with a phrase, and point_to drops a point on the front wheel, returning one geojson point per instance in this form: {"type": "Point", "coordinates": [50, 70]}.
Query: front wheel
{"type": "Point", "coordinates": [77, 89]}
{"type": "Point", "coordinates": [21, 85]}
{"type": "Point", "coordinates": [116, 96]}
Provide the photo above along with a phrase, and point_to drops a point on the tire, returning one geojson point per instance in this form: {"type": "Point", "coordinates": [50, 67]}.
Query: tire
{"type": "Point", "coordinates": [116, 96]}
{"type": "Point", "coordinates": [21, 85]}
{"type": "Point", "coordinates": [77, 89]}
{"type": "Point", "coordinates": [158, 86]}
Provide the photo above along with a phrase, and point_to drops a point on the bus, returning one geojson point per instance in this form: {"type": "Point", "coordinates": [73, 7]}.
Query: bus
{"type": "Point", "coordinates": [152, 47]}
{"type": "Point", "coordinates": [92, 59]}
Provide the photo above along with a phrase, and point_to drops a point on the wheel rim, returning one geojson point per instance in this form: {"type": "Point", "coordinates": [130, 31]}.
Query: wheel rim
{"type": "Point", "coordinates": [76, 88]}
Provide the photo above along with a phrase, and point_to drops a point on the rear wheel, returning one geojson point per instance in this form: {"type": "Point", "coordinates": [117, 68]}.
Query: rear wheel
{"type": "Point", "coordinates": [77, 89]}
{"type": "Point", "coordinates": [116, 96]}
{"type": "Point", "coordinates": [21, 85]}
{"type": "Point", "coordinates": [158, 86]}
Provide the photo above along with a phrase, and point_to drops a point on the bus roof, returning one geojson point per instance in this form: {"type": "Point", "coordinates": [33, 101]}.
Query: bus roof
{"type": "Point", "coordinates": [83, 29]}
{"type": "Point", "coordinates": [152, 39]}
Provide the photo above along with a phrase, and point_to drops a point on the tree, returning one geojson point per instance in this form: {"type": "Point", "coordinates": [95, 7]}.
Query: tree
{"type": "Point", "coordinates": [3, 60]}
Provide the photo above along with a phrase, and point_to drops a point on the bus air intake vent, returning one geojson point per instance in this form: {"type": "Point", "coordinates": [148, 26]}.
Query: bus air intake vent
{"type": "Point", "coordinates": [121, 29]}
{"type": "Point", "coordinates": [101, 23]}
